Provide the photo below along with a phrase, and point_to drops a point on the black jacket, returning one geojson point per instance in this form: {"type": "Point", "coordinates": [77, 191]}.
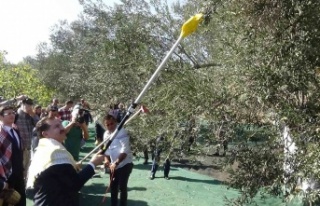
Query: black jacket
{"type": "Point", "coordinates": [59, 185]}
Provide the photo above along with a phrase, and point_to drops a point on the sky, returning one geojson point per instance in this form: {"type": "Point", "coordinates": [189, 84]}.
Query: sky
{"type": "Point", "coordinates": [26, 23]}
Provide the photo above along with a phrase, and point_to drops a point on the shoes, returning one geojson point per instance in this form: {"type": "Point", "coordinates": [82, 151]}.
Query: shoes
{"type": "Point", "coordinates": [167, 178]}
{"type": "Point", "coordinates": [145, 163]}
{"type": "Point", "coordinates": [151, 177]}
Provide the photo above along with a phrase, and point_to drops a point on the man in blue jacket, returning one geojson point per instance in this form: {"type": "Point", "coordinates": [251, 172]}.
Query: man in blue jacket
{"type": "Point", "coordinates": [53, 173]}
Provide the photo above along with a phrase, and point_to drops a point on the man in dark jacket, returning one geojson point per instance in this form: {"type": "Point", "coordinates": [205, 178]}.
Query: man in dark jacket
{"type": "Point", "coordinates": [11, 159]}
{"type": "Point", "coordinates": [53, 172]}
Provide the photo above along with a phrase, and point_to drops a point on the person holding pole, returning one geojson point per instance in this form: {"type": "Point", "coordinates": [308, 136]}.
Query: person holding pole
{"type": "Point", "coordinates": [118, 157]}
{"type": "Point", "coordinates": [54, 176]}
{"type": "Point", "coordinates": [114, 133]}
{"type": "Point", "coordinates": [188, 27]}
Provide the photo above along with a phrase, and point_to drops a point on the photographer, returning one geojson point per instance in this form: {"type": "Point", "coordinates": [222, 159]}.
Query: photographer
{"type": "Point", "coordinates": [76, 130]}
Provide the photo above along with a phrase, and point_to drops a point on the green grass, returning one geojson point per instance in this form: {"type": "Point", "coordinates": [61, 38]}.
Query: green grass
{"type": "Point", "coordinates": [184, 188]}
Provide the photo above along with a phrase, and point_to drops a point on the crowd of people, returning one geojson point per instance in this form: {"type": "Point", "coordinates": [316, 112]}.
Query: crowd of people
{"type": "Point", "coordinates": [40, 149]}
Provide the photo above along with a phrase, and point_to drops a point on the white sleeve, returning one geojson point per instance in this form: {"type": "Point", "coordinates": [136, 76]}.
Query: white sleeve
{"type": "Point", "coordinates": [105, 137]}
{"type": "Point", "coordinates": [107, 152]}
{"type": "Point", "coordinates": [92, 165]}
{"type": "Point", "coordinates": [125, 145]}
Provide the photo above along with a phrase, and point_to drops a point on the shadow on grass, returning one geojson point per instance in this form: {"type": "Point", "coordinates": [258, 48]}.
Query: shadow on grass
{"type": "Point", "coordinates": [148, 167]}
{"type": "Point", "coordinates": [215, 182]}
{"type": "Point", "coordinates": [108, 202]}
{"type": "Point", "coordinates": [137, 189]}
{"type": "Point", "coordinates": [195, 166]}
{"type": "Point", "coordinates": [94, 194]}
{"type": "Point", "coordinates": [137, 203]}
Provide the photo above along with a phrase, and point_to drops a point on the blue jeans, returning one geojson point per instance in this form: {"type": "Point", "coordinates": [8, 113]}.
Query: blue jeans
{"type": "Point", "coordinates": [154, 168]}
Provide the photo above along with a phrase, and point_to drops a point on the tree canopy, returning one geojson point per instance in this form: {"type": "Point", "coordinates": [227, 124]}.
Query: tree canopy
{"type": "Point", "coordinates": [251, 64]}
{"type": "Point", "coordinates": [23, 79]}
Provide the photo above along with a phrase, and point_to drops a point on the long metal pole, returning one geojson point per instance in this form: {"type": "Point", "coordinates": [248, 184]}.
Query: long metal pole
{"type": "Point", "coordinates": [157, 71]}
{"type": "Point", "coordinates": [187, 28]}
{"type": "Point", "coordinates": [133, 106]}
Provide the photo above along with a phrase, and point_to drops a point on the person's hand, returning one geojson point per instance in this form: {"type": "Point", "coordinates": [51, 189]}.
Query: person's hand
{"type": "Point", "coordinates": [83, 126]}
{"type": "Point", "coordinates": [73, 121]}
{"type": "Point", "coordinates": [106, 164]}
{"type": "Point", "coordinates": [21, 97]}
{"type": "Point", "coordinates": [78, 166]}
{"type": "Point", "coordinates": [112, 167]}
{"type": "Point", "coordinates": [97, 159]}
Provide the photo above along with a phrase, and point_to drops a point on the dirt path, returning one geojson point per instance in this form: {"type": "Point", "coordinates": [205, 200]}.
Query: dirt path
{"type": "Point", "coordinates": [205, 165]}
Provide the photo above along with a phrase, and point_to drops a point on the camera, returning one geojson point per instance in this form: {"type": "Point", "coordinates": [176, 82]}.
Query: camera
{"type": "Point", "coordinates": [80, 118]}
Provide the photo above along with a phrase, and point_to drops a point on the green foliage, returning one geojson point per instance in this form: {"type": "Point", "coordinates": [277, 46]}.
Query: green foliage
{"type": "Point", "coordinates": [252, 63]}
{"type": "Point", "coordinates": [22, 79]}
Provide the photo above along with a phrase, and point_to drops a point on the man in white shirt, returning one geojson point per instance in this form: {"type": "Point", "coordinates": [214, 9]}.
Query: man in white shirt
{"type": "Point", "coordinates": [119, 159]}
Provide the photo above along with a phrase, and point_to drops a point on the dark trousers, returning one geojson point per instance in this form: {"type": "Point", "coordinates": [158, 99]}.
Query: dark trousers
{"type": "Point", "coordinates": [120, 182]}
{"type": "Point", "coordinates": [146, 155]}
{"type": "Point", "coordinates": [16, 180]}
{"type": "Point", "coordinates": [18, 185]}
{"type": "Point", "coordinates": [166, 168]}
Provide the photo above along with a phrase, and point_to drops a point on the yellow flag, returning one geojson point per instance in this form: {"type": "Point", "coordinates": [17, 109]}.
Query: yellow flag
{"type": "Point", "coordinates": [191, 25]}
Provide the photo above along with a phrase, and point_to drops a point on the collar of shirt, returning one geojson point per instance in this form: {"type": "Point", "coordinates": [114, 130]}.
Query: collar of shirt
{"type": "Point", "coordinates": [7, 129]}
